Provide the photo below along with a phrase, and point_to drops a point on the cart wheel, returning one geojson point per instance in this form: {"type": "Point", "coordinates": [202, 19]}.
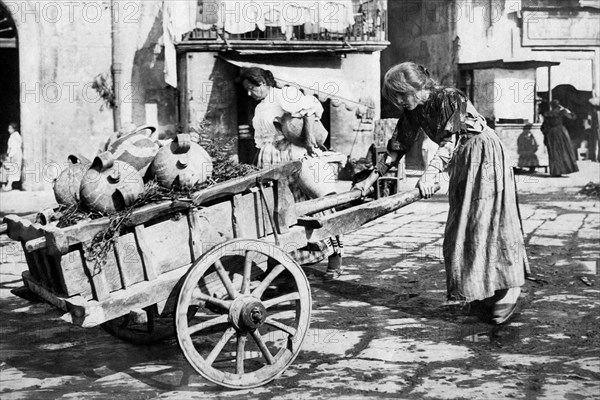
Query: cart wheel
{"type": "Point", "coordinates": [253, 312]}
{"type": "Point", "coordinates": [143, 328]}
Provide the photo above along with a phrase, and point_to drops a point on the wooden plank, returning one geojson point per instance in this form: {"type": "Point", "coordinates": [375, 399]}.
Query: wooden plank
{"type": "Point", "coordinates": [240, 185]}
{"type": "Point", "coordinates": [240, 210]}
{"type": "Point", "coordinates": [143, 294]}
{"type": "Point", "coordinates": [262, 211]}
{"type": "Point", "coordinates": [100, 287]}
{"type": "Point", "coordinates": [217, 225]}
{"type": "Point", "coordinates": [129, 260]}
{"type": "Point", "coordinates": [74, 275]}
{"type": "Point", "coordinates": [169, 242]}
{"type": "Point", "coordinates": [284, 213]}
{"type": "Point", "coordinates": [57, 275]}
{"type": "Point", "coordinates": [59, 240]}
{"type": "Point", "coordinates": [47, 275]}
{"type": "Point", "coordinates": [327, 202]}
{"type": "Point", "coordinates": [353, 218]}
{"type": "Point", "coordinates": [163, 290]}
{"type": "Point", "coordinates": [36, 287]}
{"type": "Point", "coordinates": [195, 225]}
{"type": "Point", "coordinates": [111, 271]}
{"type": "Point", "coordinates": [23, 228]}
{"type": "Point", "coordinates": [150, 268]}
{"type": "Point", "coordinates": [31, 263]}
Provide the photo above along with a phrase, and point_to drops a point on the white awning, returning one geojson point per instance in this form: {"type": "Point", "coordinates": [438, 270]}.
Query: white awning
{"type": "Point", "coordinates": [312, 77]}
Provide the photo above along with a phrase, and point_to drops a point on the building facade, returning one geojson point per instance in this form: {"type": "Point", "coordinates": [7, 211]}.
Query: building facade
{"type": "Point", "coordinates": [505, 54]}
{"type": "Point", "coordinates": [78, 71]}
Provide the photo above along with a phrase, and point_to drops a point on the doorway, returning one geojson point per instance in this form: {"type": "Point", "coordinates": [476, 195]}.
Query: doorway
{"type": "Point", "coordinates": [9, 78]}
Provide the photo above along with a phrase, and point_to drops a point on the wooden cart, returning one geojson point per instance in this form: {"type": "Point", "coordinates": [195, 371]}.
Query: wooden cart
{"type": "Point", "coordinates": [219, 266]}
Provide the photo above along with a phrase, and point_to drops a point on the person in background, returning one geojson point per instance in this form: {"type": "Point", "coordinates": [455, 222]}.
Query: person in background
{"type": "Point", "coordinates": [12, 161]}
{"type": "Point", "coordinates": [279, 112]}
{"type": "Point", "coordinates": [561, 156]}
{"type": "Point", "coordinates": [484, 251]}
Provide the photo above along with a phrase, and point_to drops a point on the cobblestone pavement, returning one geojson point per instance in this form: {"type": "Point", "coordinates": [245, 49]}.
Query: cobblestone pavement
{"type": "Point", "coordinates": [382, 331]}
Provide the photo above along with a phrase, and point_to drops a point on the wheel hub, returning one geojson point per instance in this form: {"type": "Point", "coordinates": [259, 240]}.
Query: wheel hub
{"type": "Point", "coordinates": [247, 313]}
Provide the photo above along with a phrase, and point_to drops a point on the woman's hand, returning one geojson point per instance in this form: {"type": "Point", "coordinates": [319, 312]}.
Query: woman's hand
{"type": "Point", "coordinates": [427, 184]}
{"type": "Point", "coordinates": [365, 185]}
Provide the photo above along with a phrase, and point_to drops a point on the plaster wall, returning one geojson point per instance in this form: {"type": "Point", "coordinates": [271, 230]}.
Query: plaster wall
{"type": "Point", "coordinates": [422, 31]}
{"type": "Point", "coordinates": [62, 47]}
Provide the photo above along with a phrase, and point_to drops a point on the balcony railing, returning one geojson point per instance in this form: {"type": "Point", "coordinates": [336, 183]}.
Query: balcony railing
{"type": "Point", "coordinates": [349, 24]}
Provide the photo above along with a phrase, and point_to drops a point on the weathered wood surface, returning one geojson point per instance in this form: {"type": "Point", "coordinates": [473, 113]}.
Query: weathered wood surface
{"type": "Point", "coordinates": [327, 202]}
{"type": "Point", "coordinates": [60, 240]}
{"type": "Point", "coordinates": [240, 185]}
{"type": "Point", "coordinates": [163, 290]}
{"type": "Point", "coordinates": [353, 218]}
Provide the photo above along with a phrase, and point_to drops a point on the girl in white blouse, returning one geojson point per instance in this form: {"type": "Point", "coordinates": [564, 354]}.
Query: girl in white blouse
{"type": "Point", "coordinates": [13, 159]}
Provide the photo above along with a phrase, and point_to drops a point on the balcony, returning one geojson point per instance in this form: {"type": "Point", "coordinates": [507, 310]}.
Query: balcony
{"type": "Point", "coordinates": [285, 25]}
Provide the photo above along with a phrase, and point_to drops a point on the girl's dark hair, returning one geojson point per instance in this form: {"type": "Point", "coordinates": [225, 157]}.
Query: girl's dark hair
{"type": "Point", "coordinates": [406, 78]}
{"type": "Point", "coordinates": [257, 76]}
{"type": "Point", "coordinates": [14, 125]}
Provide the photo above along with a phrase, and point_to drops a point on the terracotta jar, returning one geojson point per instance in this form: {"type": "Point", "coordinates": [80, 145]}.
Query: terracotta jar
{"type": "Point", "coordinates": [137, 148]}
{"type": "Point", "coordinates": [110, 185]}
{"type": "Point", "coordinates": [182, 162]}
{"type": "Point", "coordinates": [291, 128]}
{"type": "Point", "coordinates": [316, 177]}
{"type": "Point", "coordinates": [67, 184]}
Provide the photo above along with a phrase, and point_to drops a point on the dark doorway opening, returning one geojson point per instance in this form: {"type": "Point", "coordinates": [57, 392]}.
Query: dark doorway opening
{"type": "Point", "coordinates": [576, 101]}
{"type": "Point", "coordinates": [9, 76]}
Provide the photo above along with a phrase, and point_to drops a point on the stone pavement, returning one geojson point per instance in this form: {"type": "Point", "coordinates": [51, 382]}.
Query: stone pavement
{"type": "Point", "coordinates": [382, 331]}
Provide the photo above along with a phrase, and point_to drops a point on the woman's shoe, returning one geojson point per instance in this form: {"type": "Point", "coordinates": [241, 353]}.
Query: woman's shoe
{"type": "Point", "coordinates": [334, 268]}
{"type": "Point", "coordinates": [505, 305]}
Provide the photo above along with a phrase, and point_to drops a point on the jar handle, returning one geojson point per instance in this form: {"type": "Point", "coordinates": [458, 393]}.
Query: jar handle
{"type": "Point", "coordinates": [151, 128]}
{"type": "Point", "coordinates": [104, 161]}
{"type": "Point", "coordinates": [138, 129]}
{"type": "Point", "coordinates": [77, 159]}
{"type": "Point", "coordinates": [45, 216]}
{"type": "Point", "coordinates": [184, 142]}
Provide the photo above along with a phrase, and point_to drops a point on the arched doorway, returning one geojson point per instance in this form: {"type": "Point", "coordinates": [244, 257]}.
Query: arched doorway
{"type": "Point", "coordinates": [9, 76]}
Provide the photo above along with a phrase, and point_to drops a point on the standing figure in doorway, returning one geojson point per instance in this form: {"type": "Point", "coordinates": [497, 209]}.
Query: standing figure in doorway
{"type": "Point", "coordinates": [287, 127]}
{"type": "Point", "coordinates": [12, 161]}
{"type": "Point", "coordinates": [483, 246]}
{"type": "Point", "coordinates": [561, 155]}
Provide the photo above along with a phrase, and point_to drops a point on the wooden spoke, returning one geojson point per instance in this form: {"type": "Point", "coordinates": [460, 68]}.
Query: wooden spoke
{"type": "Point", "coordinates": [239, 359]}
{"type": "Point", "coordinates": [219, 345]}
{"type": "Point", "coordinates": [262, 346]}
{"type": "Point", "coordinates": [281, 299]}
{"type": "Point", "coordinates": [287, 329]}
{"type": "Point", "coordinates": [247, 269]}
{"type": "Point", "coordinates": [212, 300]}
{"type": "Point", "coordinates": [258, 292]}
{"type": "Point", "coordinates": [251, 360]}
{"type": "Point", "coordinates": [225, 279]}
{"type": "Point", "coordinates": [287, 314]}
{"type": "Point", "coordinates": [207, 324]}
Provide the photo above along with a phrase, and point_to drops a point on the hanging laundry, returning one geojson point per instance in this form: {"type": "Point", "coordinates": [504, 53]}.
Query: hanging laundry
{"type": "Point", "coordinates": [179, 17]}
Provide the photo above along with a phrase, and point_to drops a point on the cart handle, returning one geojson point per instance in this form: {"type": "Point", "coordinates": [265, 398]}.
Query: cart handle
{"type": "Point", "coordinates": [35, 244]}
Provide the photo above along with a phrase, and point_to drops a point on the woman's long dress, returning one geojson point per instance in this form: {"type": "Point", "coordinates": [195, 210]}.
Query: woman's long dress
{"type": "Point", "coordinates": [483, 246]}
{"type": "Point", "coordinates": [561, 156]}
